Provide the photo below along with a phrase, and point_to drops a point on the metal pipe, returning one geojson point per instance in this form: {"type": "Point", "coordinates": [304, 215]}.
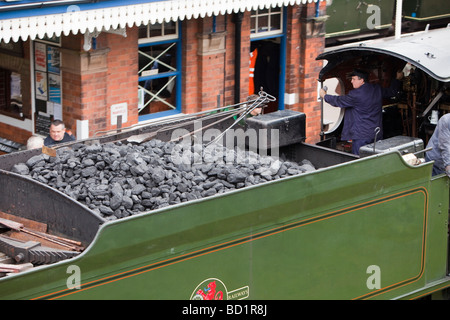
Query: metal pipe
{"type": "Point", "coordinates": [237, 19]}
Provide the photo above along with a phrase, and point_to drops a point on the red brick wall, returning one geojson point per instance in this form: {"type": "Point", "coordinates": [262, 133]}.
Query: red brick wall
{"type": "Point", "coordinates": [14, 134]}
{"type": "Point", "coordinates": [190, 70]}
{"type": "Point", "coordinates": [209, 78]}
{"type": "Point", "coordinates": [122, 76]}
{"type": "Point", "coordinates": [71, 99]}
{"type": "Point", "coordinates": [305, 67]}
{"type": "Point", "coordinates": [293, 52]}
{"type": "Point", "coordinates": [110, 77]}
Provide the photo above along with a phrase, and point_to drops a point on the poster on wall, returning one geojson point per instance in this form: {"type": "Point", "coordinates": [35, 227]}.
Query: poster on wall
{"type": "Point", "coordinates": [40, 56]}
{"type": "Point", "coordinates": [54, 87]}
{"type": "Point", "coordinates": [41, 85]}
{"type": "Point", "coordinates": [53, 59]}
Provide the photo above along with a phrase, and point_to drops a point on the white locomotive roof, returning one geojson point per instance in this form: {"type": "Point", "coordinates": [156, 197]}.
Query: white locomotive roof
{"type": "Point", "coordinates": [428, 50]}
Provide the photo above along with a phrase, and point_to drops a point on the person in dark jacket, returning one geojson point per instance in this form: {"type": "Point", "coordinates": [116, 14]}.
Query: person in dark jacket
{"type": "Point", "coordinates": [363, 108]}
{"type": "Point", "coordinates": [57, 134]}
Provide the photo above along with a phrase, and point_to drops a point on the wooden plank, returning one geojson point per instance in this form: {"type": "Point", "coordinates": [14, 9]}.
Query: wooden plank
{"type": "Point", "coordinates": [15, 268]}
{"type": "Point", "coordinates": [31, 224]}
{"type": "Point", "coordinates": [11, 224]}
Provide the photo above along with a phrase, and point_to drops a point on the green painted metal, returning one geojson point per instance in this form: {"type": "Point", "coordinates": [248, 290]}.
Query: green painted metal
{"type": "Point", "coordinates": [332, 234]}
{"type": "Point", "coordinates": [426, 10]}
{"type": "Point", "coordinates": [353, 16]}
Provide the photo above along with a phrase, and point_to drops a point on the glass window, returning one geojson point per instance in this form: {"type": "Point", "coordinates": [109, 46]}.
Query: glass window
{"type": "Point", "coordinates": [266, 22]}
{"type": "Point", "coordinates": [158, 32]}
{"type": "Point", "coordinates": [10, 93]}
{"type": "Point", "coordinates": [159, 72]}
{"type": "Point", "coordinates": [157, 75]}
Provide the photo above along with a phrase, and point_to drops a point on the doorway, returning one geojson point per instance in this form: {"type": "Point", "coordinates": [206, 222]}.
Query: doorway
{"type": "Point", "coordinates": [265, 69]}
{"type": "Point", "coordinates": [268, 37]}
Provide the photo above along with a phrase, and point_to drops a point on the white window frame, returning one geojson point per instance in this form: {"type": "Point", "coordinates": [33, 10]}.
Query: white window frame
{"type": "Point", "coordinates": [255, 14]}
{"type": "Point", "coordinates": [163, 37]}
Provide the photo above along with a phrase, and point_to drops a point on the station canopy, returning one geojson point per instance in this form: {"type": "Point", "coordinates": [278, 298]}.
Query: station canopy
{"type": "Point", "coordinates": [38, 19]}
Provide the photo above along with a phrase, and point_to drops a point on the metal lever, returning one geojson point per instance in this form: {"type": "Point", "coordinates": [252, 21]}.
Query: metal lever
{"type": "Point", "coordinates": [377, 131]}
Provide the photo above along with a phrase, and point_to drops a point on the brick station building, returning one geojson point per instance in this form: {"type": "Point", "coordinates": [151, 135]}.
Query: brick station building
{"type": "Point", "coordinates": [94, 63]}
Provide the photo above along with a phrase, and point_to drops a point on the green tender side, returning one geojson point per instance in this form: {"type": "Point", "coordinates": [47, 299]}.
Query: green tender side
{"type": "Point", "coordinates": [374, 228]}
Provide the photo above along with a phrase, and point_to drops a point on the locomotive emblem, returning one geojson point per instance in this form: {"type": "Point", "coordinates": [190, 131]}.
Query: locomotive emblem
{"type": "Point", "coordinates": [214, 289]}
{"type": "Point", "coordinates": [209, 293]}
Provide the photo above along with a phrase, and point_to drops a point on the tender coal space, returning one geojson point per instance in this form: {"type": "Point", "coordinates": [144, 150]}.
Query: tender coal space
{"type": "Point", "coordinates": [121, 179]}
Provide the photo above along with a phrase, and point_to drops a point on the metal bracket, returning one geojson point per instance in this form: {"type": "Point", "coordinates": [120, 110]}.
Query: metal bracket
{"type": "Point", "coordinates": [32, 251]}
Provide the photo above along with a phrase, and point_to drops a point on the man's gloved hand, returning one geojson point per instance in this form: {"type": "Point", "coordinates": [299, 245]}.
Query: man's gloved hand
{"type": "Point", "coordinates": [322, 93]}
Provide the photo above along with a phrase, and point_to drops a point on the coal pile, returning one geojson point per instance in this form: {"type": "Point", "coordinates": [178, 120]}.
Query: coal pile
{"type": "Point", "coordinates": [121, 179]}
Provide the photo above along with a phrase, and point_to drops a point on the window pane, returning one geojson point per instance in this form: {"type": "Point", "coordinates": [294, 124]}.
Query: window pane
{"type": "Point", "coordinates": [170, 28]}
{"type": "Point", "coordinates": [157, 91]}
{"type": "Point", "coordinates": [266, 22]}
{"type": "Point", "coordinates": [155, 30]}
{"type": "Point", "coordinates": [157, 59]}
{"type": "Point", "coordinates": [275, 22]}
{"type": "Point", "coordinates": [253, 25]}
{"type": "Point", "coordinates": [157, 95]}
{"type": "Point", "coordinates": [263, 23]}
{"type": "Point", "coordinates": [10, 92]}
{"type": "Point", "coordinates": [275, 10]}
{"type": "Point", "coordinates": [143, 32]}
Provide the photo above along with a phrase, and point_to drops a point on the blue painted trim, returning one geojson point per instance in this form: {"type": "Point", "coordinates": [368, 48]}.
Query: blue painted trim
{"type": "Point", "coordinates": [160, 75]}
{"type": "Point", "coordinates": [179, 64]}
{"type": "Point", "coordinates": [282, 79]}
{"type": "Point", "coordinates": [156, 43]}
{"type": "Point", "coordinates": [273, 36]}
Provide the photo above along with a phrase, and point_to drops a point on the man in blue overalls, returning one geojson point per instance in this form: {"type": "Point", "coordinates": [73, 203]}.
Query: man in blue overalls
{"type": "Point", "coordinates": [363, 108]}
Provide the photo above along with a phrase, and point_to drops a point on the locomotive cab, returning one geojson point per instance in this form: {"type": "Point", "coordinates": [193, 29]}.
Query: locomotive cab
{"type": "Point", "coordinates": [424, 94]}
